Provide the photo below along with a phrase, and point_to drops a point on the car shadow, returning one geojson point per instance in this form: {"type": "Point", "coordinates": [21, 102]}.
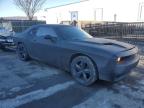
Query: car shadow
{"type": "Point", "coordinates": [8, 50]}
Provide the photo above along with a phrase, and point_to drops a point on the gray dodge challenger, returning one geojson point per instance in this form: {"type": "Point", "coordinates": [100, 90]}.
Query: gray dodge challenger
{"type": "Point", "coordinates": [73, 50]}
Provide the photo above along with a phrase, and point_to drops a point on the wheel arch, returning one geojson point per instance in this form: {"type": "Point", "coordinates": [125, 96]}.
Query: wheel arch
{"type": "Point", "coordinates": [81, 54]}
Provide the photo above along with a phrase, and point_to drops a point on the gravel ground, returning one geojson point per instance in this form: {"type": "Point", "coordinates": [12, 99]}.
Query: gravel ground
{"type": "Point", "coordinates": [36, 85]}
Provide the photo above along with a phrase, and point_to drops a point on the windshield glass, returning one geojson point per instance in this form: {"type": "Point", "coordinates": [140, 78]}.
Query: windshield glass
{"type": "Point", "coordinates": [70, 33]}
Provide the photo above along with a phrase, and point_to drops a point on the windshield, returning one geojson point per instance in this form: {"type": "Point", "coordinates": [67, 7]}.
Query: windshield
{"type": "Point", "coordinates": [71, 33]}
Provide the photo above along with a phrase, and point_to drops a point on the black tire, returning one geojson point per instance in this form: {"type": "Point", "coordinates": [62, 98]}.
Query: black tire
{"type": "Point", "coordinates": [22, 52]}
{"type": "Point", "coordinates": [83, 70]}
{"type": "Point", "coordinates": [2, 47]}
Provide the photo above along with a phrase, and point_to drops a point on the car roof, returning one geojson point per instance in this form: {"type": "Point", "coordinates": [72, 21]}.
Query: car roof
{"type": "Point", "coordinates": [46, 25]}
{"type": "Point", "coordinates": [52, 25]}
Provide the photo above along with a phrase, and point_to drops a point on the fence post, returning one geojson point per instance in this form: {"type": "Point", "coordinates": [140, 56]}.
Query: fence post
{"type": "Point", "coordinates": [121, 30]}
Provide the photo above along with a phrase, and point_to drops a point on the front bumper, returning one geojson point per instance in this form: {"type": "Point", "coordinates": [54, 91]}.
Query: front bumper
{"type": "Point", "coordinates": [6, 41]}
{"type": "Point", "coordinates": [117, 71]}
{"type": "Point", "coordinates": [121, 70]}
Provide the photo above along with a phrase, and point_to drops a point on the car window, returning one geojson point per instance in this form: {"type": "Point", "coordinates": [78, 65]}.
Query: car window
{"type": "Point", "coordinates": [70, 33]}
{"type": "Point", "coordinates": [33, 31]}
{"type": "Point", "coordinates": [43, 31]}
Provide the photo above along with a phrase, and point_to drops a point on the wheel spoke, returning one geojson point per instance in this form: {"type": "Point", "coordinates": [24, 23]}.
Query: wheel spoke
{"type": "Point", "coordinates": [78, 67]}
{"type": "Point", "coordinates": [79, 74]}
{"type": "Point", "coordinates": [87, 71]}
{"type": "Point", "coordinates": [82, 71]}
{"type": "Point", "coordinates": [86, 74]}
{"type": "Point", "coordinates": [82, 65]}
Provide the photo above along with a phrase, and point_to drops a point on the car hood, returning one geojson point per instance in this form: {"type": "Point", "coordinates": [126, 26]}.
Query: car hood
{"type": "Point", "coordinates": [5, 34]}
{"type": "Point", "coordinates": [107, 44]}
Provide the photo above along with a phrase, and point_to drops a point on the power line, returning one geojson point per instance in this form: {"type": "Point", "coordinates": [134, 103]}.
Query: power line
{"type": "Point", "coordinates": [67, 4]}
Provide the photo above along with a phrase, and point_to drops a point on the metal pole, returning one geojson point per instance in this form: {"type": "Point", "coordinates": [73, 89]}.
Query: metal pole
{"type": "Point", "coordinates": [115, 17]}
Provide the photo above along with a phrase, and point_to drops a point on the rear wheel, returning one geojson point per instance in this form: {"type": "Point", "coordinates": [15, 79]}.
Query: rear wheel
{"type": "Point", "coordinates": [2, 47]}
{"type": "Point", "coordinates": [22, 52]}
{"type": "Point", "coordinates": [83, 70]}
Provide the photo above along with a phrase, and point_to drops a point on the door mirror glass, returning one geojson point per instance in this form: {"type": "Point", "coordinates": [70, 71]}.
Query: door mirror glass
{"type": "Point", "coordinates": [50, 37]}
{"type": "Point", "coordinates": [33, 31]}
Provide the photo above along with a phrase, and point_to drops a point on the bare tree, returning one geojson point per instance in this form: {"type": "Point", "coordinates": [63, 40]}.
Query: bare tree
{"type": "Point", "coordinates": [29, 7]}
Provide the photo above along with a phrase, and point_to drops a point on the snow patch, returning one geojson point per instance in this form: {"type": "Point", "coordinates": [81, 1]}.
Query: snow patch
{"type": "Point", "coordinates": [107, 99]}
{"type": "Point", "coordinates": [35, 95]}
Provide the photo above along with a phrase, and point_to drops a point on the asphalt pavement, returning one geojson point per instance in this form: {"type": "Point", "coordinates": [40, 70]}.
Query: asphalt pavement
{"type": "Point", "coordinates": [34, 84]}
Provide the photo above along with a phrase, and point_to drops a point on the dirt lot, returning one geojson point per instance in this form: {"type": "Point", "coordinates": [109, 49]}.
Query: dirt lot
{"type": "Point", "coordinates": [36, 85]}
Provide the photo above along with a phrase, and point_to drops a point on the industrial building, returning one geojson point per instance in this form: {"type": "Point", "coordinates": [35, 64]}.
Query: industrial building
{"type": "Point", "coordinates": [97, 10]}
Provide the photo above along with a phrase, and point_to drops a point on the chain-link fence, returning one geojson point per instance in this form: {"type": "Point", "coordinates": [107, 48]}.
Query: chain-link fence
{"type": "Point", "coordinates": [19, 25]}
{"type": "Point", "coordinates": [134, 30]}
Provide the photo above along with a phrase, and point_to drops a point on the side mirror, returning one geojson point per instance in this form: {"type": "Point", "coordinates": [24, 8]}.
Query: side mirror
{"type": "Point", "coordinates": [50, 37]}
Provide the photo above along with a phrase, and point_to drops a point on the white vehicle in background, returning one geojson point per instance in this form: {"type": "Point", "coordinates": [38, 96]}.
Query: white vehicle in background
{"type": "Point", "coordinates": [5, 38]}
{"type": "Point", "coordinates": [5, 32]}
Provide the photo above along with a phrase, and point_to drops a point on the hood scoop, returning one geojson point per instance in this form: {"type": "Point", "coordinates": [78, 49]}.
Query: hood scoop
{"type": "Point", "coordinates": [118, 45]}
{"type": "Point", "coordinates": [107, 43]}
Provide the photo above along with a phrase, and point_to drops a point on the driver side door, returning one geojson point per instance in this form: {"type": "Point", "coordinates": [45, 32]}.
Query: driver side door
{"type": "Point", "coordinates": [45, 49]}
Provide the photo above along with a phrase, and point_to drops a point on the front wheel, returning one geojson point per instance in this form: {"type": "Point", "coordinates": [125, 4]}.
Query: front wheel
{"type": "Point", "coordinates": [83, 70]}
{"type": "Point", "coordinates": [22, 52]}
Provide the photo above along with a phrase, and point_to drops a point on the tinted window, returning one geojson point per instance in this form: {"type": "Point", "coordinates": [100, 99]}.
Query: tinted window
{"type": "Point", "coordinates": [43, 31]}
{"type": "Point", "coordinates": [69, 33]}
{"type": "Point", "coordinates": [33, 31]}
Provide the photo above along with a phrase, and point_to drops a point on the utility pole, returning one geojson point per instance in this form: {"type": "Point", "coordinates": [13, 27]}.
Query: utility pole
{"type": "Point", "coordinates": [115, 17]}
{"type": "Point", "coordinates": [98, 14]}
{"type": "Point", "coordinates": [140, 11]}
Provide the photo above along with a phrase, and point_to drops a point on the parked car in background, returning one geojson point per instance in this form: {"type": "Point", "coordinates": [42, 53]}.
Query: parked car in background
{"type": "Point", "coordinates": [72, 49]}
{"type": "Point", "coordinates": [6, 38]}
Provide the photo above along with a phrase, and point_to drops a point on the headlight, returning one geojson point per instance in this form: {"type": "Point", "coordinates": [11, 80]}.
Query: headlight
{"type": "Point", "coordinates": [119, 60]}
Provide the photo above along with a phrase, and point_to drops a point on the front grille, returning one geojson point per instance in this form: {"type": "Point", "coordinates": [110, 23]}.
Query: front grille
{"type": "Point", "coordinates": [130, 57]}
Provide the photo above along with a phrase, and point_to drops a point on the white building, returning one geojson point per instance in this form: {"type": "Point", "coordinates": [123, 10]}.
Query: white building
{"type": "Point", "coordinates": [98, 10]}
